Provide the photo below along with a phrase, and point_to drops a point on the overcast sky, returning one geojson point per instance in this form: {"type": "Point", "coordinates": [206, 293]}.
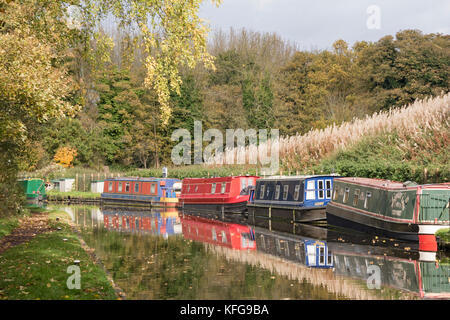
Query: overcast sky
{"type": "Point", "coordinates": [316, 24]}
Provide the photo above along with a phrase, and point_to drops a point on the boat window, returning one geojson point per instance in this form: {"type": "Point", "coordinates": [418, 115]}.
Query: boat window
{"type": "Point", "coordinates": [153, 188]}
{"type": "Point", "coordinates": [297, 251]}
{"type": "Point", "coordinates": [127, 187]}
{"type": "Point", "coordinates": [223, 187]}
{"type": "Point", "coordinates": [321, 256]}
{"type": "Point", "coordinates": [188, 188]}
{"type": "Point", "coordinates": [296, 192]}
{"type": "Point", "coordinates": [356, 197]}
{"type": "Point", "coordinates": [330, 260]}
{"type": "Point", "coordinates": [261, 193]}
{"type": "Point", "coordinates": [136, 187]}
{"type": "Point", "coordinates": [328, 188]}
{"type": "Point", "coordinates": [347, 192]}
{"type": "Point", "coordinates": [286, 249]}
{"type": "Point", "coordinates": [310, 190]}
{"type": "Point", "coordinates": [224, 237]}
{"type": "Point", "coordinates": [263, 242]}
{"type": "Point", "coordinates": [243, 183]}
{"type": "Point", "coordinates": [214, 234]}
{"type": "Point", "coordinates": [285, 192]}
{"type": "Point", "coordinates": [213, 188]}
{"type": "Point", "coordinates": [320, 187]}
{"type": "Point", "coordinates": [251, 182]}
{"type": "Point", "coordinates": [366, 202]}
{"type": "Point", "coordinates": [120, 187]}
{"type": "Point", "coordinates": [196, 188]}
{"type": "Point", "coordinates": [311, 253]}
{"type": "Point", "coordinates": [277, 192]}
{"type": "Point", "coordinates": [335, 193]}
{"type": "Point", "coordinates": [110, 186]}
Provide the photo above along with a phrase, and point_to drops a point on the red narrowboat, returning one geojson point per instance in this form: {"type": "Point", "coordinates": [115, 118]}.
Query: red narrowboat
{"type": "Point", "coordinates": [221, 194]}
{"type": "Point", "coordinates": [224, 234]}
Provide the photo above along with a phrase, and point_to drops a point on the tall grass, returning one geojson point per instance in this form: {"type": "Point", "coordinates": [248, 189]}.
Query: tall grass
{"type": "Point", "coordinates": [299, 152]}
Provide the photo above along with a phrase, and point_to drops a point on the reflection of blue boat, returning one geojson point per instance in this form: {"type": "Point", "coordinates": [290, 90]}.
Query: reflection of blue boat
{"type": "Point", "coordinates": [317, 254]}
{"type": "Point", "coordinates": [151, 222]}
{"type": "Point", "coordinates": [308, 252]}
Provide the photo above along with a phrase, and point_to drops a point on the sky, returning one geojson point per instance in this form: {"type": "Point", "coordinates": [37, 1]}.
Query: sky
{"type": "Point", "coordinates": [316, 24]}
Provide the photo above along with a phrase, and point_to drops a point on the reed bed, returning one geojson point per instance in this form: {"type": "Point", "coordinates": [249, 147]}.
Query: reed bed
{"type": "Point", "coordinates": [299, 152]}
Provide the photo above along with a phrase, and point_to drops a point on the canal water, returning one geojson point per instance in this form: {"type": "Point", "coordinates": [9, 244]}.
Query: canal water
{"type": "Point", "coordinates": [154, 254]}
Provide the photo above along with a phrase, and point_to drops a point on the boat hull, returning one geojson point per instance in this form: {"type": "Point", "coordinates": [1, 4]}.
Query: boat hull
{"type": "Point", "coordinates": [139, 201]}
{"type": "Point", "coordinates": [234, 208]}
{"type": "Point", "coordinates": [294, 214]}
{"type": "Point", "coordinates": [351, 219]}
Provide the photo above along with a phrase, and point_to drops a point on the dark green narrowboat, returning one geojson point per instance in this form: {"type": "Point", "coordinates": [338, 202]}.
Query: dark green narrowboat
{"type": "Point", "coordinates": [405, 211]}
{"type": "Point", "coordinates": [34, 190]}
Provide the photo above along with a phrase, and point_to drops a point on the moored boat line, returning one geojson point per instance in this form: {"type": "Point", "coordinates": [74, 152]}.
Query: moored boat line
{"type": "Point", "coordinates": [404, 211]}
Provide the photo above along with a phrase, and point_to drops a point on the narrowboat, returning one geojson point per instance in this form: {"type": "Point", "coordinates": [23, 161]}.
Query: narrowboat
{"type": "Point", "coordinates": [293, 198]}
{"type": "Point", "coordinates": [34, 190]}
{"type": "Point", "coordinates": [306, 251]}
{"type": "Point", "coordinates": [224, 234]}
{"type": "Point", "coordinates": [404, 211]}
{"type": "Point", "coordinates": [154, 192]}
{"type": "Point", "coordinates": [220, 194]}
{"type": "Point", "coordinates": [156, 222]}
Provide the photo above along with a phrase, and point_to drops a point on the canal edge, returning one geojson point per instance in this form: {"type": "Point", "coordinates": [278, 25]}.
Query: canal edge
{"type": "Point", "coordinates": [91, 252]}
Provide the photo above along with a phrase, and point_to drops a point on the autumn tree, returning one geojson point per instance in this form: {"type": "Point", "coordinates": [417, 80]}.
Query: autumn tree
{"type": "Point", "coordinates": [38, 37]}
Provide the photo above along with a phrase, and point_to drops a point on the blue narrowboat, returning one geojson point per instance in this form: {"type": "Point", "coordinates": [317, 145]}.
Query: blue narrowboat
{"type": "Point", "coordinates": [153, 192]}
{"type": "Point", "coordinates": [297, 198]}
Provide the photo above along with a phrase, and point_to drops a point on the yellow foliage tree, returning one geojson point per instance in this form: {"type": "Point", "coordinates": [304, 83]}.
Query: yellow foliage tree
{"type": "Point", "coordinates": [64, 156]}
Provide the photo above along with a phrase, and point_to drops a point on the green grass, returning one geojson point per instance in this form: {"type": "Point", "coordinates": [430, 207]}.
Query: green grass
{"type": "Point", "coordinates": [7, 225]}
{"type": "Point", "coordinates": [444, 235]}
{"type": "Point", "coordinates": [52, 194]}
{"type": "Point", "coordinates": [38, 269]}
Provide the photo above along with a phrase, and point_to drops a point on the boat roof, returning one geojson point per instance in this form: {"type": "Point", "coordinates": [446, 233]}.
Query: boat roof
{"type": "Point", "coordinates": [212, 179]}
{"type": "Point", "coordinates": [141, 179]}
{"type": "Point", "coordinates": [388, 184]}
{"type": "Point", "coordinates": [299, 177]}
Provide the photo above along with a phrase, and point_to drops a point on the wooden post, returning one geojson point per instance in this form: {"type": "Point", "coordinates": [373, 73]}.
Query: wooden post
{"type": "Point", "coordinates": [84, 181]}
{"type": "Point", "coordinates": [76, 181]}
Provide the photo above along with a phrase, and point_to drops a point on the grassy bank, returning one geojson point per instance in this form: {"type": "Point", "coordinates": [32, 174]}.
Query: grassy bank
{"type": "Point", "coordinates": [38, 269]}
{"type": "Point", "coordinates": [7, 225]}
{"type": "Point", "coordinates": [57, 195]}
{"type": "Point", "coordinates": [388, 156]}
{"type": "Point", "coordinates": [444, 235]}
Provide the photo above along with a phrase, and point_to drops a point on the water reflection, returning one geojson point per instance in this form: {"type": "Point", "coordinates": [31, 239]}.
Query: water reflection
{"type": "Point", "coordinates": [172, 255]}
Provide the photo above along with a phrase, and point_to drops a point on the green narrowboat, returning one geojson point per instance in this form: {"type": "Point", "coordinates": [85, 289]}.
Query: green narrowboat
{"type": "Point", "coordinates": [34, 189]}
{"type": "Point", "coordinates": [404, 211]}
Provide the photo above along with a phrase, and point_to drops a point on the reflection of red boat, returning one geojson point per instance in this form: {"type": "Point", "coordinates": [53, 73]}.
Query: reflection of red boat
{"type": "Point", "coordinates": [228, 194]}
{"type": "Point", "coordinates": [230, 235]}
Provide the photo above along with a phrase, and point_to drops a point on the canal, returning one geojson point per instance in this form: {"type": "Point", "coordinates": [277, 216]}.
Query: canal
{"type": "Point", "coordinates": [156, 254]}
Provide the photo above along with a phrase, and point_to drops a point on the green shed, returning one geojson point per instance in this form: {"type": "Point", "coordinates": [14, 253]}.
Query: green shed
{"type": "Point", "coordinates": [34, 189]}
